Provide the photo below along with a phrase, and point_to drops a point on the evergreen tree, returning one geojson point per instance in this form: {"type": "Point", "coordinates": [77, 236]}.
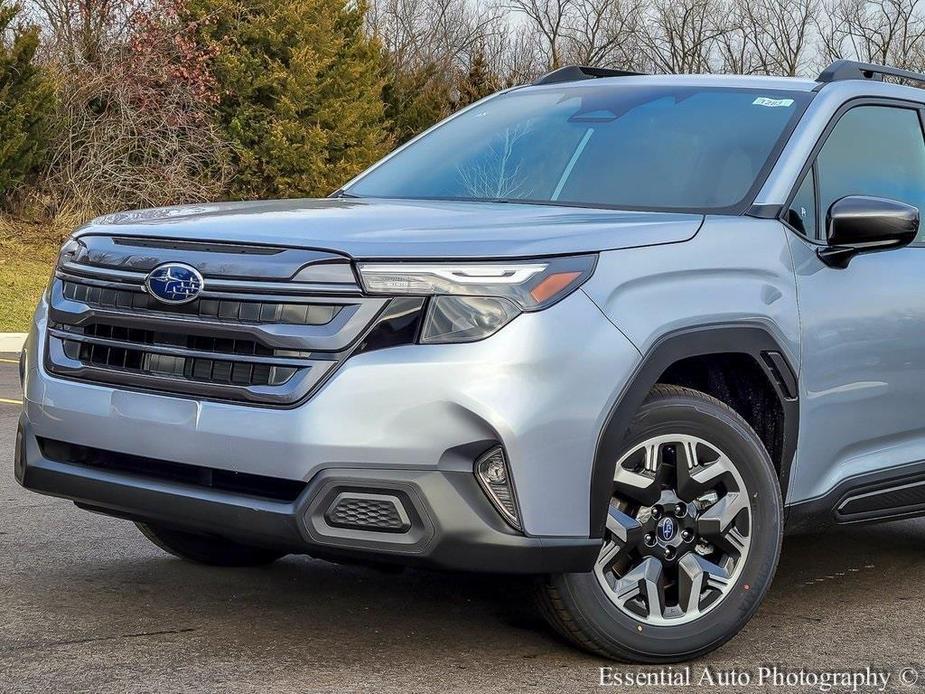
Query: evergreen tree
{"type": "Point", "coordinates": [26, 102]}
{"type": "Point", "coordinates": [416, 99]}
{"type": "Point", "coordinates": [299, 86]}
{"type": "Point", "coordinates": [479, 81]}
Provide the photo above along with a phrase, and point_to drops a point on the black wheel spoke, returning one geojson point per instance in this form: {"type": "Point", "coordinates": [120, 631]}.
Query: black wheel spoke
{"type": "Point", "coordinates": [696, 477]}
{"type": "Point", "coordinates": [642, 590]}
{"type": "Point", "coordinates": [625, 529]}
{"type": "Point", "coordinates": [636, 477]}
{"type": "Point", "coordinates": [624, 533]}
{"type": "Point", "coordinates": [696, 575]}
{"type": "Point", "coordinates": [718, 524]}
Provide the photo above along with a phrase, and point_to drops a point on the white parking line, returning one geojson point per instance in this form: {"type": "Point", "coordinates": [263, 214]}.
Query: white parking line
{"type": "Point", "coordinates": [10, 402]}
{"type": "Point", "coordinates": [8, 361]}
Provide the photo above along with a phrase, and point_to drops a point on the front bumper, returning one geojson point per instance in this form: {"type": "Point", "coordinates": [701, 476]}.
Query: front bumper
{"type": "Point", "coordinates": [416, 415]}
{"type": "Point", "coordinates": [465, 534]}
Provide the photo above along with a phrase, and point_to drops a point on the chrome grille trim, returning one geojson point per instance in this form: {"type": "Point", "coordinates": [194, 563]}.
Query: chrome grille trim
{"type": "Point", "coordinates": [81, 271]}
{"type": "Point", "coordinates": [214, 286]}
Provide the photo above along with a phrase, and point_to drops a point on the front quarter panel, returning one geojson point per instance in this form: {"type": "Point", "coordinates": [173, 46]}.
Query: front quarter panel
{"type": "Point", "coordinates": [735, 270]}
{"type": "Point", "coordinates": [730, 289]}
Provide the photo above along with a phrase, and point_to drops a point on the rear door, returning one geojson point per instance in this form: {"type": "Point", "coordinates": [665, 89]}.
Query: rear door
{"type": "Point", "coordinates": [862, 381]}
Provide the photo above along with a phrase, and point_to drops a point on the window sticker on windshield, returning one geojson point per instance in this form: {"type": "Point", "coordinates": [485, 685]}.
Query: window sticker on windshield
{"type": "Point", "coordinates": [772, 103]}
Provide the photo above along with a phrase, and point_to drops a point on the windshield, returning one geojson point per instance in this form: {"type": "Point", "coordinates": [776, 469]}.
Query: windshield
{"type": "Point", "coordinates": [629, 147]}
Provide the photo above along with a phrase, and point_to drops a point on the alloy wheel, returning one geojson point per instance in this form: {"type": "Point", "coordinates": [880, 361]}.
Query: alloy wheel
{"type": "Point", "coordinates": [678, 530]}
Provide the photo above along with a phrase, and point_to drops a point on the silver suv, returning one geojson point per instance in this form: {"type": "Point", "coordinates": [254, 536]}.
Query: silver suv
{"type": "Point", "coordinates": [616, 331]}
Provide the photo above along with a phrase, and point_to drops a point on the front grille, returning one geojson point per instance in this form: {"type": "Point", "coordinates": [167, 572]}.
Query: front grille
{"type": "Point", "coordinates": [261, 331]}
{"type": "Point", "coordinates": [197, 475]}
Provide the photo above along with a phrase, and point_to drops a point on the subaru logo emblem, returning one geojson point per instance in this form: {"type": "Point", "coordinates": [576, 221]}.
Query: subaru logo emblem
{"type": "Point", "coordinates": [667, 529]}
{"type": "Point", "coordinates": [174, 283]}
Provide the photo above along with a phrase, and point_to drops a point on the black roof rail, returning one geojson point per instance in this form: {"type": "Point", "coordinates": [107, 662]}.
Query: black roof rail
{"type": "Point", "coordinates": [851, 70]}
{"type": "Point", "coordinates": [574, 73]}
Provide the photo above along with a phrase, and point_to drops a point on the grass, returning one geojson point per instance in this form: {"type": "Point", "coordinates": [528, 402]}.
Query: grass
{"type": "Point", "coordinates": [27, 255]}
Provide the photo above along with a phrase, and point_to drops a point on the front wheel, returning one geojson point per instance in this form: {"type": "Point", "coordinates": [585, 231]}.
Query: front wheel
{"type": "Point", "coordinates": [692, 539]}
{"type": "Point", "coordinates": [206, 549]}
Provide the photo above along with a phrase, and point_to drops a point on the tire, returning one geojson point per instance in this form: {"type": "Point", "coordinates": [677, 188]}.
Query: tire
{"type": "Point", "coordinates": [207, 549]}
{"type": "Point", "coordinates": [580, 606]}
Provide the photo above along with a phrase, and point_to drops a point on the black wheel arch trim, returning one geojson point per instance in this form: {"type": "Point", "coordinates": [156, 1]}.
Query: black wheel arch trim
{"type": "Point", "coordinates": [703, 340]}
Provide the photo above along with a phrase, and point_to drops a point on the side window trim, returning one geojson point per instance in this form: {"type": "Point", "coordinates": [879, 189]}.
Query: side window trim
{"type": "Point", "coordinates": [789, 207]}
{"type": "Point", "coordinates": [820, 143]}
{"type": "Point", "coordinates": [919, 242]}
{"type": "Point", "coordinates": [817, 208]}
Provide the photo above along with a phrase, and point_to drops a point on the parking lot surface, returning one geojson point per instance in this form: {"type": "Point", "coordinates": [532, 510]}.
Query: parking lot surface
{"type": "Point", "coordinates": [87, 604]}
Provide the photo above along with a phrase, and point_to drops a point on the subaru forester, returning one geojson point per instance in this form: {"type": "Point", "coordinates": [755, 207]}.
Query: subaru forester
{"type": "Point", "coordinates": [618, 332]}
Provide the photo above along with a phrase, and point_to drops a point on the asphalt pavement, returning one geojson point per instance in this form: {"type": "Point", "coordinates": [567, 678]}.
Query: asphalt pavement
{"type": "Point", "coordinates": [88, 605]}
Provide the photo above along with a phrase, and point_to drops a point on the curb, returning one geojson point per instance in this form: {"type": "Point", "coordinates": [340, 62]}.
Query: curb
{"type": "Point", "coordinates": [12, 342]}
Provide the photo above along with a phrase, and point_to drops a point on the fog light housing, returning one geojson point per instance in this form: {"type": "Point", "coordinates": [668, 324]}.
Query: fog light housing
{"type": "Point", "coordinates": [22, 363]}
{"type": "Point", "coordinates": [19, 455]}
{"type": "Point", "coordinates": [494, 476]}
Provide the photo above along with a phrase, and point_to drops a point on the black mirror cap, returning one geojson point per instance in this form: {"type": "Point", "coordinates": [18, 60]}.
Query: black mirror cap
{"type": "Point", "coordinates": [861, 223]}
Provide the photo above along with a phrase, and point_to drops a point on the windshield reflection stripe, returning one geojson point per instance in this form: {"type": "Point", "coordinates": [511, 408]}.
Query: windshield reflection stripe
{"type": "Point", "coordinates": [571, 163]}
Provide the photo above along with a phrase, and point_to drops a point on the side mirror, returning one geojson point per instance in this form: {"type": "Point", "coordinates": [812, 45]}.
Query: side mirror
{"type": "Point", "coordinates": [861, 224]}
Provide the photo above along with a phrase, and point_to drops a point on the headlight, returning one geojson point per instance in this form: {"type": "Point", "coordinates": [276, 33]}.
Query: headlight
{"type": "Point", "coordinates": [69, 251]}
{"type": "Point", "coordinates": [473, 300]}
{"type": "Point", "coordinates": [466, 318]}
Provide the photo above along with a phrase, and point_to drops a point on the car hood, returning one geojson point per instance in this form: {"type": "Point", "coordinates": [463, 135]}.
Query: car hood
{"type": "Point", "coordinates": [368, 228]}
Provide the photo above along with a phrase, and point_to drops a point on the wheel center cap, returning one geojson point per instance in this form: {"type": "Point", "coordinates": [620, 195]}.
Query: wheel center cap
{"type": "Point", "coordinates": [667, 529]}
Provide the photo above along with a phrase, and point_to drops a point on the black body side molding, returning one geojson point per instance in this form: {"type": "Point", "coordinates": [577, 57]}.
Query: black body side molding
{"type": "Point", "coordinates": [882, 495]}
{"type": "Point", "coordinates": [725, 338]}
